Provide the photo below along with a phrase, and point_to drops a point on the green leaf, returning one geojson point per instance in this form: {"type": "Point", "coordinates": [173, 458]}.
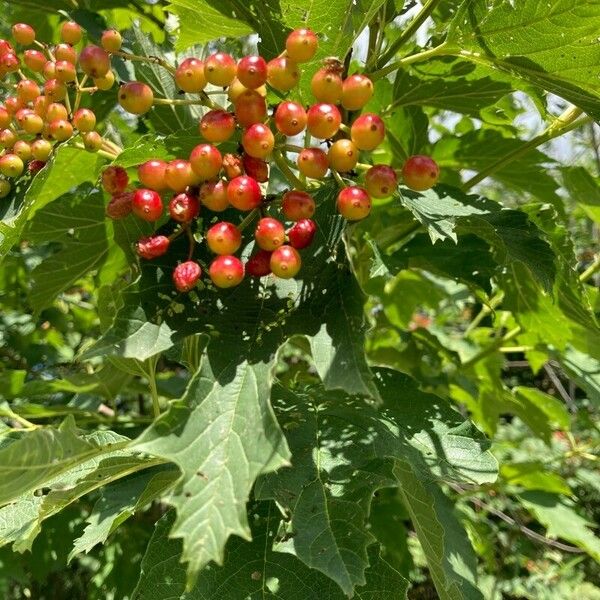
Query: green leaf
{"type": "Point", "coordinates": [585, 371]}
{"type": "Point", "coordinates": [584, 190]}
{"type": "Point", "coordinates": [533, 475]}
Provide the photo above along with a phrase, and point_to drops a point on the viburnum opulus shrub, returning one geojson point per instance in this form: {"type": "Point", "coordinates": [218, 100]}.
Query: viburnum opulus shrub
{"type": "Point", "coordinates": [258, 291]}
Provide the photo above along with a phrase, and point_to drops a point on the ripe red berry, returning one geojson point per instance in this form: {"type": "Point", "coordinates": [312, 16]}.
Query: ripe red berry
{"type": "Point", "coordinates": [152, 247]}
{"type": "Point", "coordinates": [70, 32]}
{"type": "Point", "coordinates": [256, 168]}
{"type": "Point", "coordinates": [269, 233]}
{"type": "Point", "coordinates": [297, 205]}
{"type": "Point", "coordinates": [381, 181]}
{"type": "Point", "coordinates": [259, 264]}
{"type": "Point", "coordinates": [111, 40]}
{"type": "Point", "coordinates": [186, 275]}
{"type": "Point", "coordinates": [290, 118]}
{"type": "Point", "coordinates": [220, 69]}
{"type": "Point", "coordinates": [282, 74]}
{"type": "Point", "coordinates": [179, 175]}
{"type": "Point", "coordinates": [65, 71]}
{"type": "Point", "coordinates": [184, 207]}
{"type": "Point", "coordinates": [190, 76]}
{"type": "Point", "coordinates": [326, 86]}
{"type": "Point", "coordinates": [120, 205]}
{"type": "Point", "coordinates": [367, 132]}
{"type": "Point", "coordinates": [285, 262]}
{"type": "Point", "coordinates": [10, 63]}
{"type": "Point", "coordinates": [343, 156]}
{"type": "Point", "coordinates": [357, 90]}
{"type": "Point", "coordinates": [147, 205]}
{"type": "Point", "coordinates": [250, 108]}
{"type": "Point", "coordinates": [84, 120]}
{"type": "Point", "coordinates": [354, 203]}
{"type": "Point", "coordinates": [244, 193]}
{"type": "Point", "coordinates": [324, 120]}
{"type": "Point", "coordinates": [65, 52]}
{"type": "Point", "coordinates": [302, 233]}
{"type": "Point", "coordinates": [94, 61]}
{"type": "Point", "coordinates": [258, 141]}
{"type": "Point", "coordinates": [114, 180]}
{"type": "Point", "coordinates": [5, 48]}
{"type": "Point", "coordinates": [252, 71]}
{"type": "Point", "coordinates": [24, 34]}
{"type": "Point", "coordinates": [217, 126]}
{"type": "Point", "coordinates": [224, 238]}
{"type": "Point", "coordinates": [136, 97]}
{"type": "Point", "coordinates": [301, 45]}
{"type": "Point", "coordinates": [35, 60]}
{"type": "Point", "coordinates": [35, 166]}
{"type": "Point", "coordinates": [206, 161]}
{"type": "Point", "coordinates": [232, 165]}
{"type": "Point", "coordinates": [420, 173]}
{"type": "Point", "coordinates": [226, 271]}
{"type": "Point", "coordinates": [152, 175]}
{"type": "Point", "coordinates": [11, 165]}
{"type": "Point", "coordinates": [213, 195]}
{"type": "Point", "coordinates": [60, 130]}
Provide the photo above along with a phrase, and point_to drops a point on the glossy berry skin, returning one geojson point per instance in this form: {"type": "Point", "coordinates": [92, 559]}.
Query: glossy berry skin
{"type": "Point", "coordinates": [224, 238]}
{"type": "Point", "coordinates": [186, 275]}
{"type": "Point", "coordinates": [252, 71]}
{"type": "Point", "coordinates": [114, 180]}
{"type": "Point", "coordinates": [27, 90]}
{"type": "Point", "coordinates": [152, 174]}
{"type": "Point", "coordinates": [136, 97]}
{"type": "Point", "coordinates": [357, 90]}
{"type": "Point", "coordinates": [152, 247]}
{"type": "Point", "coordinates": [285, 262]}
{"type": "Point", "coordinates": [250, 108]}
{"type": "Point", "coordinates": [56, 111]}
{"type": "Point", "coordinates": [179, 175]}
{"type": "Point", "coordinates": [313, 163]}
{"type": "Point", "coordinates": [84, 120]}
{"type": "Point", "coordinates": [60, 130]}
{"type": "Point", "coordinates": [217, 126]}
{"type": "Point", "coordinates": [105, 83]}
{"type": "Point", "coordinates": [213, 195]}
{"type": "Point", "coordinates": [324, 120]}
{"type": "Point", "coordinates": [35, 60]}
{"type": "Point", "coordinates": [111, 40]}
{"type": "Point", "coordinates": [297, 205]}
{"type": "Point", "coordinates": [226, 271]}
{"type": "Point", "coordinates": [190, 76]}
{"type": "Point", "coordinates": [269, 234]}
{"type": "Point", "coordinates": [41, 149]}
{"type": "Point", "coordinates": [24, 34]}
{"type": "Point", "coordinates": [232, 165]}
{"type": "Point", "coordinates": [290, 118]}
{"type": "Point", "coordinates": [32, 123]}
{"type": "Point", "coordinates": [22, 149]}
{"type": "Point", "coordinates": [11, 165]}
{"type": "Point", "coordinates": [367, 132]}
{"type": "Point", "coordinates": [259, 264]}
{"type": "Point", "coordinates": [10, 62]}
{"type": "Point", "coordinates": [5, 48]}
{"type": "Point", "coordinates": [343, 156]}
{"type": "Point", "coordinates": [184, 207]}
{"type": "Point", "coordinates": [258, 141]}
{"type": "Point", "coordinates": [92, 141]}
{"type": "Point", "coordinates": [206, 161]}
{"type": "Point", "coordinates": [301, 45]}
{"type": "Point", "coordinates": [71, 33]}
{"type": "Point", "coordinates": [8, 138]}
{"type": "Point", "coordinates": [65, 71]}
{"type": "Point", "coordinates": [220, 69]}
{"type": "Point", "coordinates": [147, 205]}
{"type": "Point", "coordinates": [244, 193]}
{"type": "Point", "coordinates": [420, 173]}
{"type": "Point", "coordinates": [302, 233]}
{"type": "Point", "coordinates": [65, 52]}
{"type": "Point", "coordinates": [282, 74]}
{"type": "Point", "coordinates": [55, 90]}
{"type": "Point", "coordinates": [256, 168]}
{"type": "Point", "coordinates": [5, 118]}
{"type": "Point", "coordinates": [120, 205]}
{"type": "Point", "coordinates": [354, 203]}
{"type": "Point", "coordinates": [94, 61]}
{"type": "Point", "coordinates": [49, 71]}
{"type": "Point", "coordinates": [381, 181]}
{"type": "Point", "coordinates": [326, 86]}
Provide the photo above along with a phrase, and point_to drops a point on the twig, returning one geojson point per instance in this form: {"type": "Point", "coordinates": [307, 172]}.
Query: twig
{"type": "Point", "coordinates": [560, 388]}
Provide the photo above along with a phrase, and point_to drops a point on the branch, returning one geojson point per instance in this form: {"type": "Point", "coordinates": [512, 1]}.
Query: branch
{"type": "Point", "coordinates": [441, 50]}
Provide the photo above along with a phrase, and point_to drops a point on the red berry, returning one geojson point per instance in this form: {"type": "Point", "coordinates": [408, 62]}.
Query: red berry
{"type": "Point", "coordinates": [65, 52]}
{"type": "Point", "coordinates": [152, 175]}
{"type": "Point", "coordinates": [256, 168]}
{"type": "Point", "coordinates": [35, 166]}
{"type": "Point", "coordinates": [94, 61]}
{"type": "Point", "coordinates": [120, 205]}
{"type": "Point", "coordinates": [420, 173]}
{"type": "Point", "coordinates": [224, 238]}
{"type": "Point", "coordinates": [27, 90]}
{"type": "Point", "coordinates": [5, 118]}
{"type": "Point", "coordinates": [186, 275]}
{"type": "Point", "coordinates": [147, 205]}
{"type": "Point", "coordinates": [302, 233]}
{"type": "Point", "coordinates": [356, 92]}
{"type": "Point", "coordinates": [55, 90]}
{"type": "Point", "coordinates": [250, 108]}
{"type": "Point", "coordinates": [60, 130]}
{"type": "Point", "coordinates": [111, 40]}
{"type": "Point", "coordinates": [24, 34]}
{"type": "Point", "coordinates": [324, 120]}
{"type": "Point", "coordinates": [10, 63]}
{"type": "Point", "coordinates": [354, 203]}
{"type": "Point", "coordinates": [381, 181]}
{"type": "Point", "coordinates": [343, 156]}
{"type": "Point", "coordinates": [301, 45]}
{"type": "Point", "coordinates": [190, 76]}
{"type": "Point", "coordinates": [290, 118]}
{"type": "Point", "coordinates": [213, 195]}
{"type": "Point", "coordinates": [49, 71]}
{"type": "Point", "coordinates": [56, 111]}
{"type": "Point", "coordinates": [220, 69]}
{"type": "Point", "coordinates": [258, 141]}
{"type": "Point", "coordinates": [259, 264]}
{"type": "Point", "coordinates": [269, 233]}
{"type": "Point", "coordinates": [326, 86]}
{"type": "Point", "coordinates": [297, 205]}
{"type": "Point", "coordinates": [282, 74]}
{"type": "Point", "coordinates": [152, 247]}
{"type": "Point", "coordinates": [6, 48]}
{"type": "Point", "coordinates": [114, 180]}
{"type": "Point", "coordinates": [70, 32]}
{"type": "Point", "coordinates": [252, 71]}
{"type": "Point", "coordinates": [65, 71]}
{"type": "Point", "coordinates": [367, 132]}
{"type": "Point", "coordinates": [84, 120]}
{"type": "Point", "coordinates": [179, 175]}
{"type": "Point", "coordinates": [135, 97]}
{"type": "Point", "coordinates": [206, 161]}
{"type": "Point", "coordinates": [184, 207]}
{"type": "Point", "coordinates": [285, 262]}
{"type": "Point", "coordinates": [232, 165]}
{"type": "Point", "coordinates": [35, 60]}
{"type": "Point", "coordinates": [217, 126]}
{"type": "Point", "coordinates": [226, 271]}
{"type": "Point", "coordinates": [244, 193]}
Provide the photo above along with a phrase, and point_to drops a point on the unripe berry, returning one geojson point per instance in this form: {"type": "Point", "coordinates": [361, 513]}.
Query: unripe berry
{"type": "Point", "coordinates": [301, 45]}
{"type": "Point", "coordinates": [5, 188]}
{"type": "Point", "coordinates": [35, 166]}
{"type": "Point", "coordinates": [232, 165]}
{"type": "Point", "coordinates": [343, 156]}
{"type": "Point", "coordinates": [105, 83]}
{"type": "Point", "coordinates": [11, 165]}
{"type": "Point", "coordinates": [147, 205]}
{"type": "Point", "coordinates": [381, 181]}
{"type": "Point", "coordinates": [250, 108]}
{"type": "Point", "coordinates": [357, 90]}
{"type": "Point", "coordinates": [354, 203]}
{"type": "Point", "coordinates": [8, 138]}
{"type": "Point", "coordinates": [326, 86]}
{"type": "Point", "coordinates": [65, 52]}
{"type": "Point", "coordinates": [259, 264]}
{"type": "Point", "coordinates": [136, 97]}
{"type": "Point", "coordinates": [24, 34]}
{"type": "Point", "coordinates": [10, 63]}
{"type": "Point", "coordinates": [84, 120]}
{"type": "Point", "coordinates": [152, 175]}
{"type": "Point", "coordinates": [34, 60]}
{"type": "Point", "coordinates": [206, 161]}
{"type": "Point", "coordinates": [224, 238]}
{"type": "Point", "coordinates": [21, 114]}
{"type": "Point", "coordinates": [94, 61]}
{"type": "Point", "coordinates": [186, 275]}
{"type": "Point", "coordinates": [297, 205]}
{"type": "Point", "coordinates": [13, 104]}
{"type": "Point", "coordinates": [152, 247]}
{"type": "Point", "coordinates": [40, 106]}
{"type": "Point", "coordinates": [217, 126]}
{"type": "Point", "coordinates": [313, 163]}
{"type": "Point", "coordinates": [252, 71]}
{"type": "Point", "coordinates": [235, 89]}
{"type": "Point", "coordinates": [60, 130]}
{"type": "Point", "coordinates": [55, 90]}
{"type": "Point", "coordinates": [256, 168]}
{"type": "Point", "coordinates": [367, 132]}
{"type": "Point", "coordinates": [56, 111]}
{"type": "Point", "coordinates": [285, 262]}
{"type": "Point", "coordinates": [120, 205]}
{"type": "Point", "coordinates": [302, 233]}
{"type": "Point", "coordinates": [5, 118]}
{"type": "Point", "coordinates": [41, 149]}
{"type": "Point", "coordinates": [111, 40]}
{"type": "Point", "coordinates": [22, 149]}
{"type": "Point", "coordinates": [49, 71]}
{"type": "Point", "coordinates": [65, 71]}
{"type": "Point", "coordinates": [258, 141]}
{"type": "Point", "coordinates": [244, 193]}
{"type": "Point", "coordinates": [32, 123]}
{"type": "Point", "coordinates": [92, 141]}
{"type": "Point", "coordinates": [226, 271]}
{"type": "Point", "coordinates": [189, 76]}
{"type": "Point", "coordinates": [220, 69]}
{"type": "Point", "coordinates": [290, 118]}
{"type": "Point", "coordinates": [27, 90]}
{"type": "Point", "coordinates": [179, 175]}
{"type": "Point", "coordinates": [213, 195]}
{"type": "Point", "coordinates": [420, 173]}
{"type": "Point", "coordinates": [184, 207]}
{"type": "Point", "coordinates": [324, 120]}
{"type": "Point", "coordinates": [70, 32]}
{"type": "Point", "coordinates": [114, 180]}
{"type": "Point", "coordinates": [282, 74]}
{"type": "Point", "coordinates": [269, 233]}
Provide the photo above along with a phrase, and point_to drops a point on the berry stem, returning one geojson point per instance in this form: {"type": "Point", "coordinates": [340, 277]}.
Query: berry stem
{"type": "Point", "coordinates": [204, 100]}
{"type": "Point", "coordinates": [79, 86]}
{"type": "Point", "coordinates": [287, 172]}
{"type": "Point", "coordinates": [292, 148]}
{"type": "Point", "coordinates": [441, 50]}
{"type": "Point", "coordinates": [249, 218]}
{"type": "Point", "coordinates": [338, 178]}
{"type": "Point", "coordinates": [101, 152]}
{"type": "Point", "coordinates": [151, 374]}
{"type": "Point", "coordinates": [192, 241]}
{"type": "Point", "coordinates": [149, 59]}
{"type": "Point", "coordinates": [591, 270]}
